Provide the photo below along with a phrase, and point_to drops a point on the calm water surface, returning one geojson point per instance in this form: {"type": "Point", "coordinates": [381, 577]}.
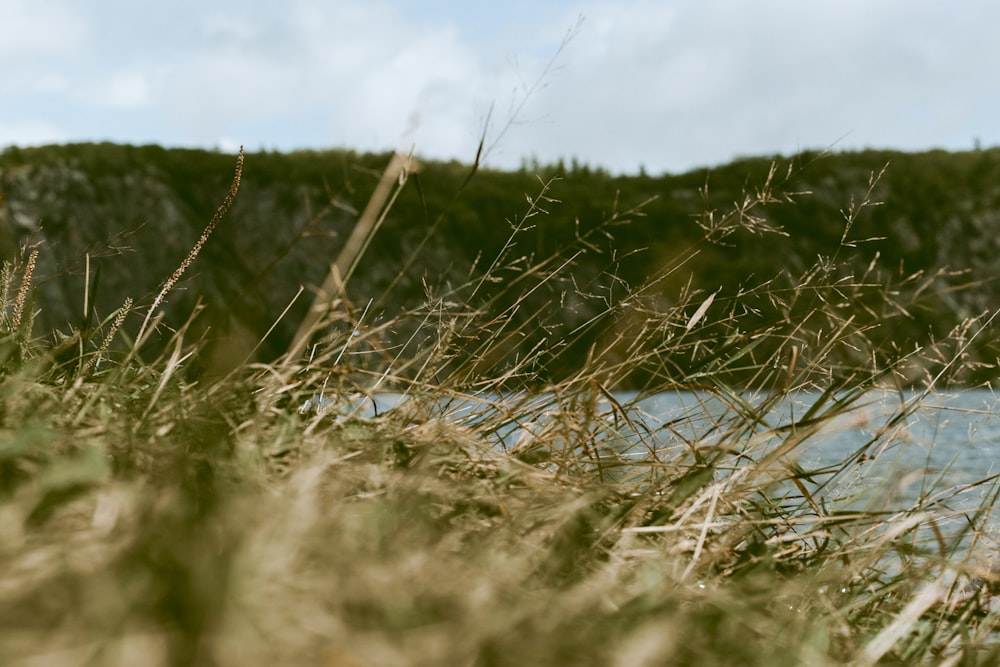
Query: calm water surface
{"type": "Point", "coordinates": [950, 441]}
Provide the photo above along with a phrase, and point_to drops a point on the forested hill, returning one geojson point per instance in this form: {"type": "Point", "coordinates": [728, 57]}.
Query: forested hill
{"type": "Point", "coordinates": [928, 233]}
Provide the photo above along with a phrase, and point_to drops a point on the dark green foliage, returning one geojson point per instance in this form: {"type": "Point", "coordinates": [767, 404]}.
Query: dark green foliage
{"type": "Point", "coordinates": [137, 210]}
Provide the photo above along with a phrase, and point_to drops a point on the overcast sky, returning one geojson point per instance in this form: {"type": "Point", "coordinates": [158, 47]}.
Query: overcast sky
{"type": "Point", "coordinates": [667, 84]}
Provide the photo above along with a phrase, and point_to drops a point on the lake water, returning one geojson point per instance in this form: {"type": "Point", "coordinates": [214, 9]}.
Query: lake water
{"type": "Point", "coordinates": [938, 450]}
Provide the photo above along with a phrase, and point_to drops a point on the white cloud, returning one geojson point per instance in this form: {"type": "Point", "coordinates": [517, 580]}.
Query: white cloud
{"type": "Point", "coordinates": [375, 81]}
{"type": "Point", "coordinates": [127, 89]}
{"type": "Point", "coordinates": [30, 133]}
{"type": "Point", "coordinates": [664, 83]}
{"type": "Point", "coordinates": [675, 84]}
{"type": "Point", "coordinates": [41, 28]}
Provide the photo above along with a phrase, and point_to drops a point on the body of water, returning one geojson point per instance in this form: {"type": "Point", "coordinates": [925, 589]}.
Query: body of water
{"type": "Point", "coordinates": [938, 450]}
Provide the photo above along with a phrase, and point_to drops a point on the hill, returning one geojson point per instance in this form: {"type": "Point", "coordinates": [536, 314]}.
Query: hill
{"type": "Point", "coordinates": [919, 228]}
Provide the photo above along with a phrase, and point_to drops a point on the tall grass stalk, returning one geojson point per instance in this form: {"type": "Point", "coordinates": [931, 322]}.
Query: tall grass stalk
{"type": "Point", "coordinates": [24, 290]}
{"type": "Point", "coordinates": [170, 282]}
{"type": "Point", "coordinates": [341, 270]}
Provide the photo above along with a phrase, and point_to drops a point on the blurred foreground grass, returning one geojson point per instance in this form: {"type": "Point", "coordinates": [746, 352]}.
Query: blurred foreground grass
{"type": "Point", "coordinates": [151, 515]}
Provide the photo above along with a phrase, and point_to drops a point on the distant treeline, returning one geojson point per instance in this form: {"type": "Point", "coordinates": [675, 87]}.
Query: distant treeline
{"type": "Point", "coordinates": [927, 230]}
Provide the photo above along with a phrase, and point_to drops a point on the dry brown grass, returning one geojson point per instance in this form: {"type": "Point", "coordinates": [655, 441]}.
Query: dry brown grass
{"type": "Point", "coordinates": [489, 518]}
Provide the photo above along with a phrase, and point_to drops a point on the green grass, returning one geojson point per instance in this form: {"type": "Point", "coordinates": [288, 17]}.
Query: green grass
{"type": "Point", "coordinates": [155, 512]}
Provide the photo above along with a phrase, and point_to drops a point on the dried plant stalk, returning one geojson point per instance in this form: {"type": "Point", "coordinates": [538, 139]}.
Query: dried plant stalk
{"type": "Point", "coordinates": [367, 225]}
{"type": "Point", "coordinates": [24, 290]}
{"type": "Point", "coordinates": [115, 326]}
{"type": "Point", "coordinates": [219, 214]}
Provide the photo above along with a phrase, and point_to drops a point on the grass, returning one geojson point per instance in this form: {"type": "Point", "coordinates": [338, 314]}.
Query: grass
{"type": "Point", "coordinates": [497, 515]}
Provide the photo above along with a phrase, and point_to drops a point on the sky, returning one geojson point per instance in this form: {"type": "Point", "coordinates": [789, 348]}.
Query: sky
{"type": "Point", "coordinates": [662, 85]}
